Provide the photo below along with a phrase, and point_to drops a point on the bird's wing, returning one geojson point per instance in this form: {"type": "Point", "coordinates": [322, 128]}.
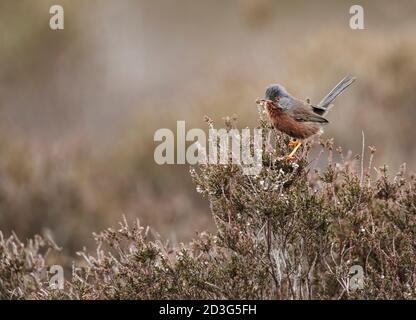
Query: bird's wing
{"type": "Point", "coordinates": [319, 110]}
{"type": "Point", "coordinates": [303, 112]}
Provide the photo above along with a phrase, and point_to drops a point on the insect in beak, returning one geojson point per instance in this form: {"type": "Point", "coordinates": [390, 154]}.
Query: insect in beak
{"type": "Point", "coordinates": [265, 102]}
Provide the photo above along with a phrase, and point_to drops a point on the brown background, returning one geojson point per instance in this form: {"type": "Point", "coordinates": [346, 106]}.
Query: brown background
{"type": "Point", "coordinates": [79, 107]}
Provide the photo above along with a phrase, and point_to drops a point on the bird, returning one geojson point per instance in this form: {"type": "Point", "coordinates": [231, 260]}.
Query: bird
{"type": "Point", "coordinates": [298, 118]}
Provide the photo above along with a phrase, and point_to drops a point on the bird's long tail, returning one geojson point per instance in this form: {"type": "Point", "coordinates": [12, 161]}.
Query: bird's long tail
{"type": "Point", "coordinates": [338, 89]}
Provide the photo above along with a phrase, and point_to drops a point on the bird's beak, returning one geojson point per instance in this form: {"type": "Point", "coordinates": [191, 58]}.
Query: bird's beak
{"type": "Point", "coordinates": [263, 101]}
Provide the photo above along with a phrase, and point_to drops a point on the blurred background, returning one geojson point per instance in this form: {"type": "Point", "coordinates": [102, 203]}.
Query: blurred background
{"type": "Point", "coordinates": [79, 107]}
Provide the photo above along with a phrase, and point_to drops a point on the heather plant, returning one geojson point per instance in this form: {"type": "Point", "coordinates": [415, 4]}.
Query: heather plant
{"type": "Point", "coordinates": [23, 267]}
{"type": "Point", "coordinates": [298, 230]}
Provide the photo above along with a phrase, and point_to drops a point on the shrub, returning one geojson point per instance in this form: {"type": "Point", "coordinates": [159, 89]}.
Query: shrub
{"type": "Point", "coordinates": [292, 232]}
{"type": "Point", "coordinates": [23, 267]}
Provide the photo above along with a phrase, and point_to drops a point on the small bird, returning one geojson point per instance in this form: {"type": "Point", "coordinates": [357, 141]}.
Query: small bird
{"type": "Point", "coordinates": [297, 118]}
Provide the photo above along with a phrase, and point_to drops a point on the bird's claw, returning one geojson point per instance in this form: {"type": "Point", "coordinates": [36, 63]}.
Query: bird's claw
{"type": "Point", "coordinates": [293, 143]}
{"type": "Point", "coordinates": [290, 158]}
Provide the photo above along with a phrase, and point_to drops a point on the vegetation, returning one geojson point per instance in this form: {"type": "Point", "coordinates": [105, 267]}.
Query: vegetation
{"type": "Point", "coordinates": [292, 232]}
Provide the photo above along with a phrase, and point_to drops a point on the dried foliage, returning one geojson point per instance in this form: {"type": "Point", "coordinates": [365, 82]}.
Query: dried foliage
{"type": "Point", "coordinates": [23, 267]}
{"type": "Point", "coordinates": [292, 232]}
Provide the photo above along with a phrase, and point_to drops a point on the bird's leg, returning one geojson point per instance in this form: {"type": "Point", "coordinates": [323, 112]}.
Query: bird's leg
{"type": "Point", "coordinates": [293, 143]}
{"type": "Point", "coordinates": [290, 156]}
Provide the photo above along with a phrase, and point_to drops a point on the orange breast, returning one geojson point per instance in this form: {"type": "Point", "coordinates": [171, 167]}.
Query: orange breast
{"type": "Point", "coordinates": [285, 123]}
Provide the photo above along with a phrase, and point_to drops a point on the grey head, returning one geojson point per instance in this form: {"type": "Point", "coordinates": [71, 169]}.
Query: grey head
{"type": "Point", "coordinates": [278, 91]}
